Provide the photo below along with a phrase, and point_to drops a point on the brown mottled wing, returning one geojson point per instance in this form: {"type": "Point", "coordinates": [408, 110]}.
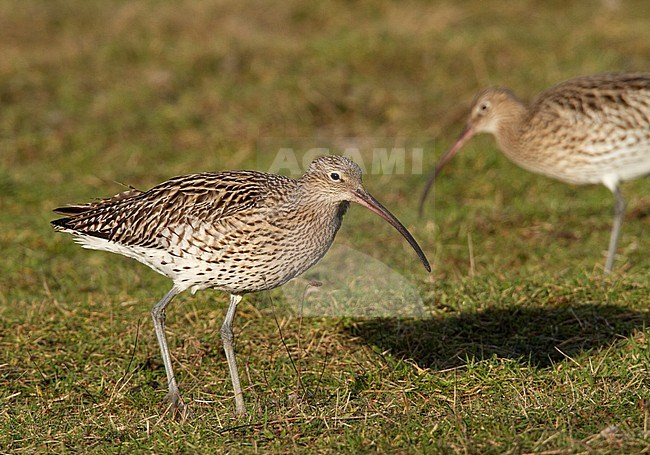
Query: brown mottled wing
{"type": "Point", "coordinates": [597, 99]}
{"type": "Point", "coordinates": [140, 218]}
{"type": "Point", "coordinates": [78, 209]}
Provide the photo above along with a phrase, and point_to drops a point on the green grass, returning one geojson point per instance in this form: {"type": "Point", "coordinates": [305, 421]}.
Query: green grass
{"type": "Point", "coordinates": [525, 345]}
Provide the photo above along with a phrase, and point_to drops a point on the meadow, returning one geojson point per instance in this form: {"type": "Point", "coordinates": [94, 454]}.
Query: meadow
{"type": "Point", "coordinates": [516, 342]}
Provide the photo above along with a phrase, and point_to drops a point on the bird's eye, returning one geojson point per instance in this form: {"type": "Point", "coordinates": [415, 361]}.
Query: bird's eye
{"type": "Point", "coordinates": [483, 107]}
{"type": "Point", "coordinates": [335, 176]}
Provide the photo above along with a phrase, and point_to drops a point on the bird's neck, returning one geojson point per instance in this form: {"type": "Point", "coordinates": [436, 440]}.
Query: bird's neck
{"type": "Point", "coordinates": [319, 206]}
{"type": "Point", "coordinates": [509, 130]}
{"type": "Point", "coordinates": [308, 212]}
{"type": "Point", "coordinates": [309, 204]}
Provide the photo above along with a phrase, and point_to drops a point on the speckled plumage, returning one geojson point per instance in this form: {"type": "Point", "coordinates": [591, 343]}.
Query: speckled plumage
{"type": "Point", "coordinates": [236, 231]}
{"type": "Point", "coordinates": [588, 130]}
{"type": "Point", "coordinates": [229, 231]}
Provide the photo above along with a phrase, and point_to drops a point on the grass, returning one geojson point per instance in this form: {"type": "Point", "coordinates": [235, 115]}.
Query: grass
{"type": "Point", "coordinates": [524, 345]}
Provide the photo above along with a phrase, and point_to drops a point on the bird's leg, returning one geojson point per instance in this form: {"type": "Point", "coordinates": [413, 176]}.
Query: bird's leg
{"type": "Point", "coordinates": [227, 337]}
{"type": "Point", "coordinates": [158, 315]}
{"type": "Point", "coordinates": [619, 210]}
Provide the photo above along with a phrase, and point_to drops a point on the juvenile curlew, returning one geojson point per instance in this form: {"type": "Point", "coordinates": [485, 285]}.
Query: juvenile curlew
{"type": "Point", "coordinates": [237, 231]}
{"type": "Point", "coordinates": [588, 130]}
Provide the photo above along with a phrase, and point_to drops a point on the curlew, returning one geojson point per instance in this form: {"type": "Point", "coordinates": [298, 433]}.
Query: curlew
{"type": "Point", "coordinates": [588, 130]}
{"type": "Point", "coordinates": [237, 231]}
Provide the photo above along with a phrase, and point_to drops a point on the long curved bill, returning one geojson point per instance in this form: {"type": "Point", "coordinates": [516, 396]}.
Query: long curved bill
{"type": "Point", "coordinates": [365, 199]}
{"type": "Point", "coordinates": [464, 136]}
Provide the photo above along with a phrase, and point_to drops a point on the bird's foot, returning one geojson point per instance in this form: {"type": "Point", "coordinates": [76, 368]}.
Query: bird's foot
{"type": "Point", "coordinates": [179, 410]}
{"type": "Point", "coordinates": [240, 411]}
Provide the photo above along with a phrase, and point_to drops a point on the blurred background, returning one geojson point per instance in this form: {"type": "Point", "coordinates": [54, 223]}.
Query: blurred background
{"type": "Point", "coordinates": [136, 90]}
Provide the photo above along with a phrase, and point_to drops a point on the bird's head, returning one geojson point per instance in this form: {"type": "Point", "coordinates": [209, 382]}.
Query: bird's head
{"type": "Point", "coordinates": [490, 109]}
{"type": "Point", "coordinates": [334, 179]}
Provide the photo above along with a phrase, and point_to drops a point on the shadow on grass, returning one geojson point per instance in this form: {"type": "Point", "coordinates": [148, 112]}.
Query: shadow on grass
{"type": "Point", "coordinates": [530, 335]}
